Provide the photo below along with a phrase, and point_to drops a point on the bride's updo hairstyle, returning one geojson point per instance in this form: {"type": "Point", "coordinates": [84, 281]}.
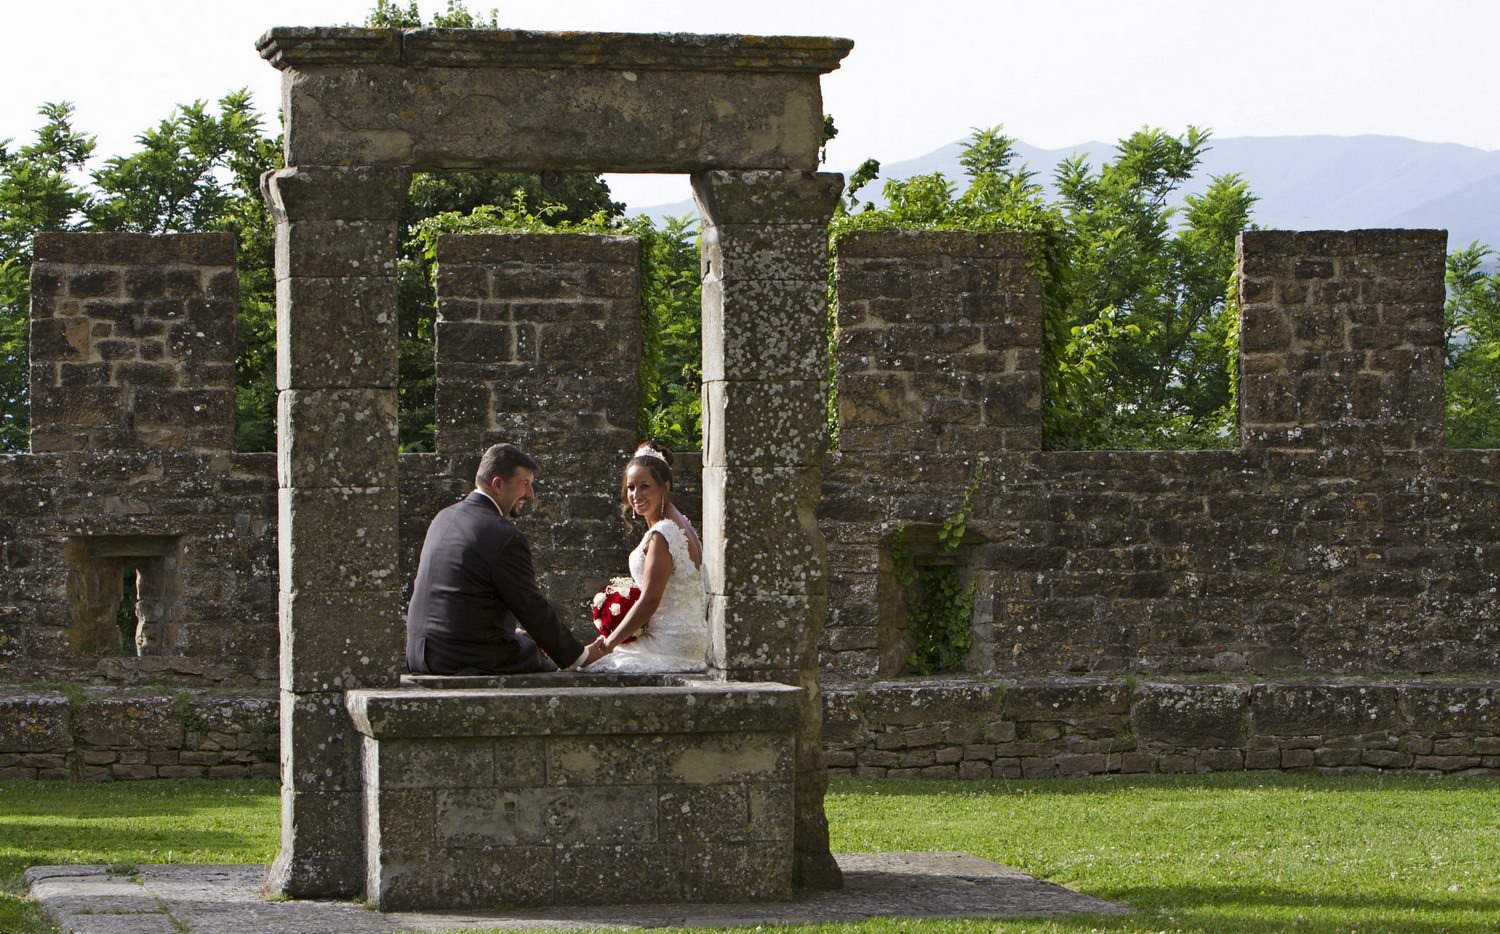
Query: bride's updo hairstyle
{"type": "Point", "coordinates": [656, 458]}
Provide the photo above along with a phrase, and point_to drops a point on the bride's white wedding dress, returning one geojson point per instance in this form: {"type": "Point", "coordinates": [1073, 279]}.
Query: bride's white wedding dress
{"type": "Point", "coordinates": [676, 638]}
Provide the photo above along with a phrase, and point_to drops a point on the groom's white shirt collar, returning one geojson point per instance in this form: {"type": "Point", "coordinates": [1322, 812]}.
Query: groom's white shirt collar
{"type": "Point", "coordinates": [492, 500]}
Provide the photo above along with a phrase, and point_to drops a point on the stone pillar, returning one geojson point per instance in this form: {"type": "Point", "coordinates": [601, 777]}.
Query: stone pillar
{"type": "Point", "coordinates": [1341, 339]}
{"type": "Point", "coordinates": [765, 376]}
{"type": "Point", "coordinates": [341, 624]}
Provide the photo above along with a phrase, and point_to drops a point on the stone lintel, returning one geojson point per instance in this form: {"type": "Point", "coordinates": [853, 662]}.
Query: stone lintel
{"type": "Point", "coordinates": [506, 101]}
{"type": "Point", "coordinates": [699, 707]}
{"type": "Point", "coordinates": [290, 47]}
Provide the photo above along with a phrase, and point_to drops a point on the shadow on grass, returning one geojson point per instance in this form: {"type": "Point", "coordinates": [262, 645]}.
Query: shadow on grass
{"type": "Point", "coordinates": [47, 823]}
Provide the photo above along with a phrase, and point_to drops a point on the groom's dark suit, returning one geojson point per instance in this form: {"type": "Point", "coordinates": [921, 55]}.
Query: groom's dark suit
{"type": "Point", "coordinates": [475, 583]}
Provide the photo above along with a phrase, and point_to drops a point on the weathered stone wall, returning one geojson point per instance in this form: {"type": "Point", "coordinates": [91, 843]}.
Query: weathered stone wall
{"type": "Point", "coordinates": [1340, 544]}
{"type": "Point", "coordinates": [1340, 549]}
{"type": "Point", "coordinates": [132, 342]}
{"type": "Point", "coordinates": [132, 472]}
{"type": "Point", "coordinates": [1060, 726]}
{"type": "Point", "coordinates": [118, 736]}
{"type": "Point", "coordinates": [1341, 537]}
{"type": "Point", "coordinates": [932, 728]}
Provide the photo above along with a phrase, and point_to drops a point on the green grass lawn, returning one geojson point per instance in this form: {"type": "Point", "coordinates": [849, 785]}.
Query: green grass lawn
{"type": "Point", "coordinates": [125, 823]}
{"type": "Point", "coordinates": [1245, 851]}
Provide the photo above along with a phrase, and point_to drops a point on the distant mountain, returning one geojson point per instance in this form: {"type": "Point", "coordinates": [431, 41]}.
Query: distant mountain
{"type": "Point", "coordinates": [1301, 182]}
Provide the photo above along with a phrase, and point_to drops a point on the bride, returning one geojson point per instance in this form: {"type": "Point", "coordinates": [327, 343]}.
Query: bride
{"type": "Point", "coordinates": [667, 620]}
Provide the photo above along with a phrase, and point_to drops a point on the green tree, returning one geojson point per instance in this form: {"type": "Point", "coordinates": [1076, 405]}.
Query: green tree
{"type": "Point", "coordinates": [389, 15]}
{"type": "Point", "coordinates": [1137, 326]}
{"type": "Point", "coordinates": [1471, 350]}
{"type": "Point", "coordinates": [37, 193]}
{"type": "Point", "coordinates": [176, 181]}
{"type": "Point", "coordinates": [672, 332]}
{"type": "Point", "coordinates": [1159, 274]}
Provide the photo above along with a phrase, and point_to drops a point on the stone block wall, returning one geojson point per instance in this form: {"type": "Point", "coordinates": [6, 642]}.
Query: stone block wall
{"type": "Point", "coordinates": [1341, 537]}
{"type": "Point", "coordinates": [939, 346]}
{"type": "Point", "coordinates": [1067, 727]}
{"type": "Point", "coordinates": [132, 474]}
{"type": "Point", "coordinates": [113, 736]}
{"type": "Point", "coordinates": [1339, 548]}
{"type": "Point", "coordinates": [132, 342]}
{"type": "Point", "coordinates": [1341, 340]}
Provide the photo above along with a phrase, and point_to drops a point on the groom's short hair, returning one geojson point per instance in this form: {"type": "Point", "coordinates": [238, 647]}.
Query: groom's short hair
{"type": "Point", "coordinates": [501, 460]}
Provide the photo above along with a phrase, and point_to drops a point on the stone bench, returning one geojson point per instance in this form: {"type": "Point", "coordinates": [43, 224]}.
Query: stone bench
{"type": "Point", "coordinates": [571, 788]}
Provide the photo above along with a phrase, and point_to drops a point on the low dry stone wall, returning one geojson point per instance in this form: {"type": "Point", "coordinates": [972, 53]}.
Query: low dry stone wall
{"type": "Point", "coordinates": [125, 736]}
{"type": "Point", "coordinates": [972, 729]}
{"type": "Point", "coordinates": [947, 728]}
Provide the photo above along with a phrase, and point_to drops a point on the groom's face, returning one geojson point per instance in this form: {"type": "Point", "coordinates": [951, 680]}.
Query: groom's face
{"type": "Point", "coordinates": [513, 494]}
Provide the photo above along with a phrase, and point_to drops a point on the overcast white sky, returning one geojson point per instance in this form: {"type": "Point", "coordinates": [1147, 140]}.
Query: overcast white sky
{"type": "Point", "coordinates": [922, 74]}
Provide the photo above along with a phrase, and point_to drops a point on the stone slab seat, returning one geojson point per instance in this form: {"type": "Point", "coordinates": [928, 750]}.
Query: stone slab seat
{"type": "Point", "coordinates": [571, 788]}
{"type": "Point", "coordinates": [571, 703]}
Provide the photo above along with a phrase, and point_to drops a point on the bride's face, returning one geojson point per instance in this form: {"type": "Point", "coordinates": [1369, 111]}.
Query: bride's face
{"type": "Point", "coordinates": [644, 493]}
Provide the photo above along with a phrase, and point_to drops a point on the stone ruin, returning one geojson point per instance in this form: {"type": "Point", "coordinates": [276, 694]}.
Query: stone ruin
{"type": "Point", "coordinates": [1324, 596]}
{"type": "Point", "coordinates": [363, 110]}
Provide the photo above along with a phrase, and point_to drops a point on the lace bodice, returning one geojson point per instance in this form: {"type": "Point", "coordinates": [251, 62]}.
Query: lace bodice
{"type": "Point", "coordinates": [687, 578]}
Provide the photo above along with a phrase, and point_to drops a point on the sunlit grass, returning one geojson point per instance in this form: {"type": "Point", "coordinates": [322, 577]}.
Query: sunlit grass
{"type": "Point", "coordinates": [128, 823]}
{"type": "Point", "coordinates": [1246, 851]}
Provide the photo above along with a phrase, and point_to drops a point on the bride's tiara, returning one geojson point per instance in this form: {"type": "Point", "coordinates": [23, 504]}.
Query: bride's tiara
{"type": "Point", "coordinates": [647, 450]}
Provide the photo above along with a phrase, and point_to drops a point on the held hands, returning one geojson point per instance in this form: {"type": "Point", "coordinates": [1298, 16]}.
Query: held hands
{"type": "Point", "coordinates": [595, 651]}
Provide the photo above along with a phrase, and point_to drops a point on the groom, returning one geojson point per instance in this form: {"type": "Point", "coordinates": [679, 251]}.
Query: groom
{"type": "Point", "coordinates": [475, 605]}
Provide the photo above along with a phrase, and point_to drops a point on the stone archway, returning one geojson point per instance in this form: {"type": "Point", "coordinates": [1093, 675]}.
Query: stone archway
{"type": "Point", "coordinates": [363, 110]}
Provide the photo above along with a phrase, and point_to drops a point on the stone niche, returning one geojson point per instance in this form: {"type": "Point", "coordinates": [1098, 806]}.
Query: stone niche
{"type": "Point", "coordinates": [915, 561]}
{"type": "Point", "coordinates": [576, 789]}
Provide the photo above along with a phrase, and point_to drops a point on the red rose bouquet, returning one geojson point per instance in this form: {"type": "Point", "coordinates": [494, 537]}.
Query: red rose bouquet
{"type": "Point", "coordinates": [613, 602]}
